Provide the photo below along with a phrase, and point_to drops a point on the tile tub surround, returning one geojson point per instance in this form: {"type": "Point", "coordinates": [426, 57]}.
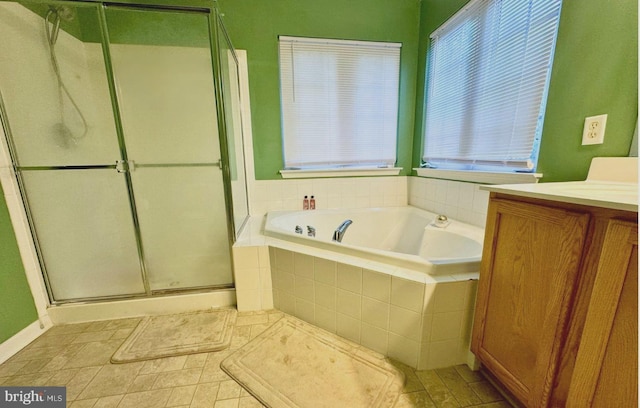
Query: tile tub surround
{"type": "Point", "coordinates": [459, 200]}
{"type": "Point", "coordinates": [456, 199]}
{"type": "Point", "coordinates": [342, 192]}
{"type": "Point", "coordinates": [423, 325]}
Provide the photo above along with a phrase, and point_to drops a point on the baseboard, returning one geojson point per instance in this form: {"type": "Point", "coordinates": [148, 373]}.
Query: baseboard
{"type": "Point", "coordinates": [120, 309]}
{"type": "Point", "coordinates": [25, 336]}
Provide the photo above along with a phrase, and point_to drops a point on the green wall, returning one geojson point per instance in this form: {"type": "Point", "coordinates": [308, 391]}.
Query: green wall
{"type": "Point", "coordinates": [17, 309]}
{"type": "Point", "coordinates": [595, 70]}
{"type": "Point", "coordinates": [254, 25]}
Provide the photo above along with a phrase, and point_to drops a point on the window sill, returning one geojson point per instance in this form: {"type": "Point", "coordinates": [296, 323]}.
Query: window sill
{"type": "Point", "coordinates": [485, 177]}
{"type": "Point", "coordinates": [348, 172]}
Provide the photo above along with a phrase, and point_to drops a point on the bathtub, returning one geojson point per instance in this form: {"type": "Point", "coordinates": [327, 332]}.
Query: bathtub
{"type": "Point", "coordinates": [400, 236]}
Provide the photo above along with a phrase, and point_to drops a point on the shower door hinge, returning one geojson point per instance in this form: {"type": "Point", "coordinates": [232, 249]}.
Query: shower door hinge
{"type": "Point", "coordinates": [124, 166]}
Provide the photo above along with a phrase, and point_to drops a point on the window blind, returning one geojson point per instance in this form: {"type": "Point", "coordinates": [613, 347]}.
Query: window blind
{"type": "Point", "coordinates": [339, 102]}
{"type": "Point", "coordinates": [488, 75]}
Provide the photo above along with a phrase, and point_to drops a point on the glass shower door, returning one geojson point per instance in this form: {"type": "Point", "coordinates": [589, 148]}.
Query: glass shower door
{"type": "Point", "coordinates": [162, 67]}
{"type": "Point", "coordinates": [58, 111]}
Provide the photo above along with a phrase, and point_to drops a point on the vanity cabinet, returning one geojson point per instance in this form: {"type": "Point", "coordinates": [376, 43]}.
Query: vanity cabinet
{"type": "Point", "coordinates": [540, 326]}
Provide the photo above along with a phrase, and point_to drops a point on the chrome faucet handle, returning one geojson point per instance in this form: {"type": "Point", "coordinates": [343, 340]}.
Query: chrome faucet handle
{"type": "Point", "coordinates": [311, 231]}
{"type": "Point", "coordinates": [298, 229]}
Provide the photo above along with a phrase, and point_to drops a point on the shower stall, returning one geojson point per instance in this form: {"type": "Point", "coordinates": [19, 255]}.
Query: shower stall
{"type": "Point", "coordinates": [123, 125]}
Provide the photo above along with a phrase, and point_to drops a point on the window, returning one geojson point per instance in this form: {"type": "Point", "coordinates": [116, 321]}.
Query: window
{"type": "Point", "coordinates": [339, 102]}
{"type": "Point", "coordinates": [488, 74]}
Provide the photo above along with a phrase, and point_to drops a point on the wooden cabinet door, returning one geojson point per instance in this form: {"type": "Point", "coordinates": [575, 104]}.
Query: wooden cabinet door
{"type": "Point", "coordinates": [606, 370]}
{"type": "Point", "coordinates": [531, 257]}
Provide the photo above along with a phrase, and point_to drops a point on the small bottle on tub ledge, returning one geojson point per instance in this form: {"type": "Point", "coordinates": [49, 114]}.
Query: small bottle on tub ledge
{"type": "Point", "coordinates": [305, 203]}
{"type": "Point", "coordinates": [312, 203]}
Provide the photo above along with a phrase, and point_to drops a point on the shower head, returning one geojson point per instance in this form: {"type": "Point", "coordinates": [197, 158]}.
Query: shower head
{"type": "Point", "coordinates": [64, 13]}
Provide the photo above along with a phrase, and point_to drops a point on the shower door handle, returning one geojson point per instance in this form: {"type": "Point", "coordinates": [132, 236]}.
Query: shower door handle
{"type": "Point", "coordinates": [124, 166]}
{"type": "Point", "coordinates": [121, 166]}
{"type": "Point", "coordinates": [219, 164]}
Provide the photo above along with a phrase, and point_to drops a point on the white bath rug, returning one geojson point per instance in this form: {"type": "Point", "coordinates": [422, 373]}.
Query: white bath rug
{"type": "Point", "coordinates": [178, 334]}
{"type": "Point", "coordinates": [294, 364]}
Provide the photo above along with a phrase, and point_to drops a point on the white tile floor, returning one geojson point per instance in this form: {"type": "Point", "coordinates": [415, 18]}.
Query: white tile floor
{"type": "Point", "coordinates": [77, 356]}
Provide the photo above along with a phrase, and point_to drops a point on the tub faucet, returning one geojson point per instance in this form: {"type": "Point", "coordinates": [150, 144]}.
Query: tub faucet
{"type": "Point", "coordinates": [311, 231]}
{"type": "Point", "coordinates": [441, 221]}
{"type": "Point", "coordinates": [338, 234]}
{"type": "Point", "coordinates": [298, 229]}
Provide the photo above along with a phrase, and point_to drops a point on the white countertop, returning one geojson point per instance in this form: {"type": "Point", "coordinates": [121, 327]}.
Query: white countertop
{"type": "Point", "coordinates": [614, 195]}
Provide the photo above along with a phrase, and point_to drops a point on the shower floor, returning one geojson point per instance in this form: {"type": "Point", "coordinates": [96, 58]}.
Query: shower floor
{"type": "Point", "coordinates": [77, 356]}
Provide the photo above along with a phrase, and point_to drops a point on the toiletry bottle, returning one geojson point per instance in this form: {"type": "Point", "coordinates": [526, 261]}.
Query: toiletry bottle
{"type": "Point", "coordinates": [305, 203]}
{"type": "Point", "coordinates": [312, 203]}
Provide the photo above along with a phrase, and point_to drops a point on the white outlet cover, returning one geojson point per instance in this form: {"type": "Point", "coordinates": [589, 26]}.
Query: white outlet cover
{"type": "Point", "coordinates": [594, 127]}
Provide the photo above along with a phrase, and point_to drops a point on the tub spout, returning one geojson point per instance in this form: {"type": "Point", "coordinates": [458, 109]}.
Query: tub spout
{"type": "Point", "coordinates": [338, 234]}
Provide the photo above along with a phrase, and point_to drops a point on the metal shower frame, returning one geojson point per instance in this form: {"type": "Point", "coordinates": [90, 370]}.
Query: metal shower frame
{"type": "Point", "coordinates": [215, 26]}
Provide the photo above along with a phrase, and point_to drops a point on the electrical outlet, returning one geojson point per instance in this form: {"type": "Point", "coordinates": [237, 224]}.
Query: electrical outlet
{"type": "Point", "coordinates": [593, 132]}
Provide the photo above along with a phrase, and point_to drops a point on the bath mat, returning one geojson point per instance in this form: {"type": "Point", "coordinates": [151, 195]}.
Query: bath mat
{"type": "Point", "coordinates": [294, 364]}
{"type": "Point", "coordinates": [178, 334]}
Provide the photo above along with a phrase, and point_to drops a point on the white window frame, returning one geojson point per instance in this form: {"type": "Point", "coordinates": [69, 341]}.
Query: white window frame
{"type": "Point", "coordinates": [443, 161]}
{"type": "Point", "coordinates": [314, 143]}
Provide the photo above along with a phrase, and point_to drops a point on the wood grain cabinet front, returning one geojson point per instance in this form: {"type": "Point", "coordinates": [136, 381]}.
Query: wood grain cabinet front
{"type": "Point", "coordinates": [535, 303]}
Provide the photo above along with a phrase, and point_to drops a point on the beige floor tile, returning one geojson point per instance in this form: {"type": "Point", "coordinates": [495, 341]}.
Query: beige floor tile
{"type": "Point", "coordinates": [108, 402]}
{"type": "Point", "coordinates": [143, 382]}
{"type": "Point", "coordinates": [38, 353]}
{"type": "Point", "coordinates": [98, 326]}
{"type": "Point", "coordinates": [458, 387]}
{"type": "Point", "coordinates": [205, 395]}
{"type": "Point", "coordinates": [121, 333]}
{"type": "Point", "coordinates": [112, 379]}
{"type": "Point", "coordinates": [228, 403]}
{"type": "Point", "coordinates": [88, 403]}
{"type": "Point", "coordinates": [437, 390]}
{"type": "Point", "coordinates": [49, 340]}
{"type": "Point", "coordinates": [241, 336]}
{"type": "Point", "coordinates": [62, 377]}
{"type": "Point", "coordinates": [411, 383]}
{"type": "Point", "coordinates": [11, 367]}
{"type": "Point", "coordinates": [177, 378]}
{"type": "Point", "coordinates": [34, 366]}
{"type": "Point", "coordinates": [257, 329]}
{"type": "Point", "coordinates": [196, 360]}
{"type": "Point", "coordinates": [61, 360]}
{"type": "Point", "coordinates": [68, 329]}
{"type": "Point", "coordinates": [499, 404]}
{"type": "Point", "coordinates": [146, 399]}
{"type": "Point", "coordinates": [164, 364]}
{"type": "Point", "coordinates": [93, 336]}
{"type": "Point", "coordinates": [181, 395]}
{"type": "Point", "coordinates": [249, 402]}
{"type": "Point", "coordinates": [229, 389]}
{"type": "Point", "coordinates": [274, 315]}
{"type": "Point", "coordinates": [212, 371]}
{"type": "Point", "coordinates": [123, 323]}
{"type": "Point", "coordinates": [94, 354]}
{"type": "Point", "coordinates": [468, 375]}
{"type": "Point", "coordinates": [80, 381]}
{"type": "Point", "coordinates": [35, 379]}
{"type": "Point", "coordinates": [251, 319]}
{"type": "Point", "coordinates": [418, 399]}
{"type": "Point", "coordinates": [486, 391]}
